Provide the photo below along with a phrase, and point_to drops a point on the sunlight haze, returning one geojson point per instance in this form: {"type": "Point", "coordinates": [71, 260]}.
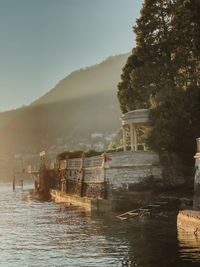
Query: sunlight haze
{"type": "Point", "coordinates": [44, 41]}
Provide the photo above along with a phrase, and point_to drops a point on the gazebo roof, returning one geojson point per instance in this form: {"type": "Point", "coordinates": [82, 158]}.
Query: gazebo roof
{"type": "Point", "coordinates": [135, 116]}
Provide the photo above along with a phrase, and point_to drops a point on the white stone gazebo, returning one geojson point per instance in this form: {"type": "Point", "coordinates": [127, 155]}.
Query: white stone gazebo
{"type": "Point", "coordinates": [133, 119]}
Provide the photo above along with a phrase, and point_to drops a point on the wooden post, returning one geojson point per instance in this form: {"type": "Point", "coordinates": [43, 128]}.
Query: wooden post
{"type": "Point", "coordinates": [21, 182]}
{"type": "Point", "coordinates": [104, 189]}
{"type": "Point", "coordinates": [13, 183]}
{"type": "Point", "coordinates": [36, 182]}
{"type": "Point", "coordinates": [67, 174]}
{"type": "Point", "coordinates": [82, 175]}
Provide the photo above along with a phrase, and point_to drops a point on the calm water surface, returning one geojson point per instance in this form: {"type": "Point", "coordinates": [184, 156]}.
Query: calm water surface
{"type": "Point", "coordinates": [35, 233]}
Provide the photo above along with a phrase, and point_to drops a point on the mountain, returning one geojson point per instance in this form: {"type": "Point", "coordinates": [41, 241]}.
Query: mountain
{"type": "Point", "coordinates": [91, 80]}
{"type": "Point", "coordinates": [82, 103]}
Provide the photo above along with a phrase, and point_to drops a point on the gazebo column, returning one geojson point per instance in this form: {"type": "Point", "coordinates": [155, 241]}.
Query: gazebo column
{"type": "Point", "coordinates": [132, 136]}
{"type": "Point", "coordinates": [124, 138]}
{"type": "Point", "coordinates": [134, 119]}
{"type": "Point", "coordinates": [135, 137]}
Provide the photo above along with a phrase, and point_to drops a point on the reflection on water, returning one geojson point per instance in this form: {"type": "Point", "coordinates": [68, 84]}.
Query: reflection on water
{"type": "Point", "coordinates": [34, 233]}
{"type": "Point", "coordinates": [189, 245]}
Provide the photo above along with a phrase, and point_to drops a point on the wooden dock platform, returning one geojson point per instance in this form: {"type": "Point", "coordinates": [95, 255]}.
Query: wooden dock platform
{"type": "Point", "coordinates": [146, 210]}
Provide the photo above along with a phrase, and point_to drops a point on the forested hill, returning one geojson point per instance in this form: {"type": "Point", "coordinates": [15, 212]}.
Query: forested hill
{"type": "Point", "coordinates": [82, 103]}
{"type": "Point", "coordinates": [91, 80]}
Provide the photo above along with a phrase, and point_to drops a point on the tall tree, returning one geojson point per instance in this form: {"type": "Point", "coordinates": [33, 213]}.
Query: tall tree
{"type": "Point", "coordinates": [162, 73]}
{"type": "Point", "coordinates": [149, 65]}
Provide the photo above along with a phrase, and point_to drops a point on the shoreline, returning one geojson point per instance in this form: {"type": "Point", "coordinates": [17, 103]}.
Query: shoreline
{"type": "Point", "coordinates": [189, 221]}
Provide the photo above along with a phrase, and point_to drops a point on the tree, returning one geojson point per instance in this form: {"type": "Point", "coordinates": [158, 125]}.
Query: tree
{"type": "Point", "coordinates": [162, 73]}
{"type": "Point", "coordinates": [149, 66]}
{"type": "Point", "coordinates": [130, 97]}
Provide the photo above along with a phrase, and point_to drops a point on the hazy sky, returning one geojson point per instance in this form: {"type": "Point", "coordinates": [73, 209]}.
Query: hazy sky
{"type": "Point", "coordinates": [42, 41]}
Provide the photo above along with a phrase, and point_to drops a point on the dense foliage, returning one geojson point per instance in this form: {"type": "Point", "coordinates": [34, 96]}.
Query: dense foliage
{"type": "Point", "coordinates": [77, 154]}
{"type": "Point", "coordinates": [162, 73]}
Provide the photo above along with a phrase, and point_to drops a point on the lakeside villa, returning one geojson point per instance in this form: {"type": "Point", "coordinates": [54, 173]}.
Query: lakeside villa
{"type": "Point", "coordinates": [112, 178]}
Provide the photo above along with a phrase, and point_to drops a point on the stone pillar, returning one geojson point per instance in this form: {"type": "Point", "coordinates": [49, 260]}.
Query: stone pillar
{"type": "Point", "coordinates": [135, 136]}
{"type": "Point", "coordinates": [132, 136]}
{"type": "Point", "coordinates": [124, 138]}
{"type": "Point", "coordinates": [197, 168]}
{"type": "Point", "coordinates": [196, 199]}
{"type": "Point", "coordinates": [198, 145]}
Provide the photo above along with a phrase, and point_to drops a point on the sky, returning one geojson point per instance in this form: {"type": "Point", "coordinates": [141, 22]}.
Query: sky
{"type": "Point", "coordinates": [43, 41]}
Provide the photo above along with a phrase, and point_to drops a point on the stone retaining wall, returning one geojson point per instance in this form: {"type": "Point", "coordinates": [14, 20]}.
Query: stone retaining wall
{"type": "Point", "coordinates": [131, 171]}
{"type": "Point", "coordinates": [189, 220]}
{"type": "Point", "coordinates": [61, 197]}
{"type": "Point", "coordinates": [115, 175]}
{"type": "Point", "coordinates": [110, 174]}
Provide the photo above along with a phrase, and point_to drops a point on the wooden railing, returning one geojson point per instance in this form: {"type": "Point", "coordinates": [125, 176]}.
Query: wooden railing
{"type": "Point", "coordinates": [77, 163]}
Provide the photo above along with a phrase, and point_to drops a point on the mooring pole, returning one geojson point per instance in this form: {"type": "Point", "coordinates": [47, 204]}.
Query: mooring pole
{"type": "Point", "coordinates": [22, 183]}
{"type": "Point", "coordinates": [36, 182]}
{"type": "Point", "coordinates": [82, 174]}
{"type": "Point", "coordinates": [13, 183]}
{"type": "Point", "coordinates": [22, 179]}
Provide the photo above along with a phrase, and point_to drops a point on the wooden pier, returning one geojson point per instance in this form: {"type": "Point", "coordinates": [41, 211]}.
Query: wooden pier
{"type": "Point", "coordinates": [154, 208]}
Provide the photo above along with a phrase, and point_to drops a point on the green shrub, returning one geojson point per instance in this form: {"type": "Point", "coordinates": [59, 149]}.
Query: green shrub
{"type": "Point", "coordinates": [77, 154]}
{"type": "Point", "coordinates": [67, 154]}
{"type": "Point", "coordinates": [92, 153]}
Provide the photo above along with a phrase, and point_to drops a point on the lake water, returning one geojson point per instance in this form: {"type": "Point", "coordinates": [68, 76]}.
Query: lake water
{"type": "Point", "coordinates": [36, 233]}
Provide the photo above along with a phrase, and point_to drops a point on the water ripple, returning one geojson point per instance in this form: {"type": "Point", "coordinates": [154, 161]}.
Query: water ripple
{"type": "Point", "coordinates": [34, 233]}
